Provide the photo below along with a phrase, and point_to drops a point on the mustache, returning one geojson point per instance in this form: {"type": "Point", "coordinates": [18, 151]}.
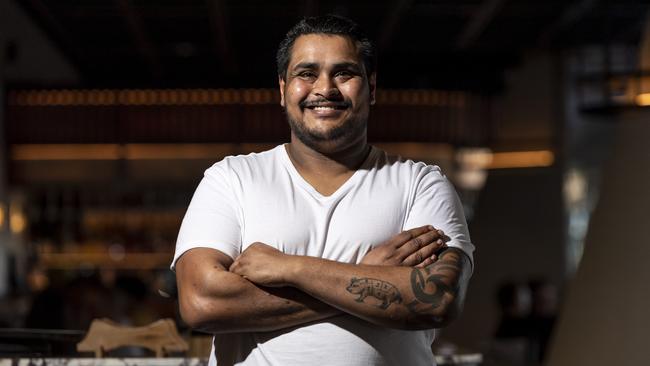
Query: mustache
{"type": "Point", "coordinates": [327, 102]}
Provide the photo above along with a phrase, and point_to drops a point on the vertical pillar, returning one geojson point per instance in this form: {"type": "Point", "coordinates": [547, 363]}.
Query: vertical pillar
{"type": "Point", "coordinates": [4, 196]}
{"type": "Point", "coordinates": [605, 318]}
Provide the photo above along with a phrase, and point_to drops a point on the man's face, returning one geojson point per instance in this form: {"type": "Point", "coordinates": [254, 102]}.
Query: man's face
{"type": "Point", "coordinates": [327, 94]}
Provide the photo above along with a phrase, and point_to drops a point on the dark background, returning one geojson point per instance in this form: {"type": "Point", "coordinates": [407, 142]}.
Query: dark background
{"type": "Point", "coordinates": [112, 109]}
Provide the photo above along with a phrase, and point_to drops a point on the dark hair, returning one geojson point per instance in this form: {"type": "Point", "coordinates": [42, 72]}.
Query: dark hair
{"type": "Point", "coordinates": [327, 24]}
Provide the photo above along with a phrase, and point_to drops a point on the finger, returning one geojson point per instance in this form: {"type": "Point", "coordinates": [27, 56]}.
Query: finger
{"type": "Point", "coordinates": [417, 243]}
{"type": "Point", "coordinates": [233, 266]}
{"type": "Point", "coordinates": [408, 235]}
{"type": "Point", "coordinates": [443, 236]}
{"type": "Point", "coordinates": [422, 254]}
{"type": "Point", "coordinates": [236, 266]}
{"type": "Point", "coordinates": [425, 263]}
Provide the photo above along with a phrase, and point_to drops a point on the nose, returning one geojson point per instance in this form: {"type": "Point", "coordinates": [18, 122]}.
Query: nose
{"type": "Point", "coordinates": [326, 87]}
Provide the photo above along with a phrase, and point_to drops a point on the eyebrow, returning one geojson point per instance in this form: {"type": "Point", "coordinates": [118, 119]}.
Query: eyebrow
{"type": "Point", "coordinates": [348, 65]}
{"type": "Point", "coordinates": [338, 66]}
{"type": "Point", "coordinates": [306, 65]}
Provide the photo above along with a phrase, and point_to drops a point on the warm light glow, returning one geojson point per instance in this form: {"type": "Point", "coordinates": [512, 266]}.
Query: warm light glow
{"type": "Point", "coordinates": [3, 210]}
{"type": "Point", "coordinates": [474, 158]}
{"type": "Point", "coordinates": [116, 252]}
{"type": "Point", "coordinates": [46, 152]}
{"type": "Point", "coordinates": [575, 186]}
{"type": "Point", "coordinates": [643, 99]}
{"type": "Point", "coordinates": [177, 151]}
{"type": "Point", "coordinates": [419, 151]}
{"type": "Point", "coordinates": [66, 152]}
{"type": "Point", "coordinates": [522, 159]}
{"type": "Point", "coordinates": [17, 222]}
{"type": "Point", "coordinates": [486, 159]}
{"type": "Point", "coordinates": [472, 179]}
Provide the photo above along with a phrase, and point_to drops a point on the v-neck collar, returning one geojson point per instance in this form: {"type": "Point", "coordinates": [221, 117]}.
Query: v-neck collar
{"type": "Point", "coordinates": [350, 182]}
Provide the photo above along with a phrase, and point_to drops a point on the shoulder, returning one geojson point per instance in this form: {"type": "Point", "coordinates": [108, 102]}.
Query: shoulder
{"type": "Point", "coordinates": [246, 165]}
{"type": "Point", "coordinates": [396, 164]}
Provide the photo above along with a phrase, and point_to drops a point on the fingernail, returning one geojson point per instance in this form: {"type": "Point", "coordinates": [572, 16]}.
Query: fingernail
{"type": "Point", "coordinates": [439, 241]}
{"type": "Point", "coordinates": [433, 257]}
{"type": "Point", "coordinates": [430, 227]}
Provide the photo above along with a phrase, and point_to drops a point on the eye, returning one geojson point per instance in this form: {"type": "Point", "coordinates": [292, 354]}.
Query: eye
{"type": "Point", "coordinates": [307, 75]}
{"type": "Point", "coordinates": [344, 74]}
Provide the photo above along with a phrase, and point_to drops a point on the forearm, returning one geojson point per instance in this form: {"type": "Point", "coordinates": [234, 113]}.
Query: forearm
{"type": "Point", "coordinates": [217, 301]}
{"type": "Point", "coordinates": [398, 297]}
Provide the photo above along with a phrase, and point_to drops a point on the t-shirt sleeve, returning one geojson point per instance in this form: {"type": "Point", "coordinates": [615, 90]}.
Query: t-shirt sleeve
{"type": "Point", "coordinates": [436, 203]}
{"type": "Point", "coordinates": [213, 218]}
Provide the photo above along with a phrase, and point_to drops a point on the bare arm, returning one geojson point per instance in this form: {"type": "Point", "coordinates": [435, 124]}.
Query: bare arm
{"type": "Point", "coordinates": [214, 300]}
{"type": "Point", "coordinates": [398, 297]}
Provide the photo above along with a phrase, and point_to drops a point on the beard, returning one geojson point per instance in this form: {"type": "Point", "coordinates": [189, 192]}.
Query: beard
{"type": "Point", "coordinates": [333, 139]}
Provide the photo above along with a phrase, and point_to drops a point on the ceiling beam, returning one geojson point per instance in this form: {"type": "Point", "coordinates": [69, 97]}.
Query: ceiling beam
{"type": "Point", "coordinates": [391, 24]}
{"type": "Point", "coordinates": [56, 32]}
{"type": "Point", "coordinates": [141, 40]}
{"type": "Point", "coordinates": [219, 25]}
{"type": "Point", "coordinates": [571, 15]}
{"type": "Point", "coordinates": [478, 22]}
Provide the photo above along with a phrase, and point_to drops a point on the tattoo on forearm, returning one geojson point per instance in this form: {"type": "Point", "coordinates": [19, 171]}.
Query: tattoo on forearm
{"type": "Point", "coordinates": [433, 286]}
{"type": "Point", "coordinates": [437, 283]}
{"type": "Point", "coordinates": [381, 290]}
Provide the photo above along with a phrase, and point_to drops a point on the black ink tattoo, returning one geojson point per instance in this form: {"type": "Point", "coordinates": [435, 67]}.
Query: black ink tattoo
{"type": "Point", "coordinates": [378, 289]}
{"type": "Point", "coordinates": [437, 283]}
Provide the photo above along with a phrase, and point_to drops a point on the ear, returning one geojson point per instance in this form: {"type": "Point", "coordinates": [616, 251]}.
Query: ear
{"type": "Point", "coordinates": [281, 83]}
{"type": "Point", "coordinates": [372, 83]}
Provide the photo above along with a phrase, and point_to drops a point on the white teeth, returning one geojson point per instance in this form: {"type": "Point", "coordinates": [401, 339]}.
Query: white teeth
{"type": "Point", "coordinates": [324, 108]}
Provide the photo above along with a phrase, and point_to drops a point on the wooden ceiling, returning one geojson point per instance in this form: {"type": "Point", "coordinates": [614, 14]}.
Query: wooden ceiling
{"type": "Point", "coordinates": [448, 44]}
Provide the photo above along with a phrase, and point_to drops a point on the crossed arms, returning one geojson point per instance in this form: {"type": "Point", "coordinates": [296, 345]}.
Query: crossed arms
{"type": "Point", "coordinates": [399, 284]}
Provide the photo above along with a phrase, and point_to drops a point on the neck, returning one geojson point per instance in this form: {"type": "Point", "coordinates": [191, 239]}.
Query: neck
{"type": "Point", "coordinates": [312, 161]}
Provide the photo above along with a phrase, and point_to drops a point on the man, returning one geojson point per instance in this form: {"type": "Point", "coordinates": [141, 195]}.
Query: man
{"type": "Point", "coordinates": [298, 255]}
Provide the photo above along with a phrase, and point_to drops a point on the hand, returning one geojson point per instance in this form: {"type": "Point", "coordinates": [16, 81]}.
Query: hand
{"type": "Point", "coordinates": [262, 265]}
{"type": "Point", "coordinates": [413, 248]}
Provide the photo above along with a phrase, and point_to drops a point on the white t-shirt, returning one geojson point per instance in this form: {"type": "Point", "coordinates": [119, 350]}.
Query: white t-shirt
{"type": "Point", "coordinates": [262, 198]}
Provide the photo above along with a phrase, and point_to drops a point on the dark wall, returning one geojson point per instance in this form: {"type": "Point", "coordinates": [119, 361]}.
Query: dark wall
{"type": "Point", "coordinates": [518, 230]}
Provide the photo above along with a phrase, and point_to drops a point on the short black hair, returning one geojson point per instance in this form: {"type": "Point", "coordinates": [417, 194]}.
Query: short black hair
{"type": "Point", "coordinates": [331, 25]}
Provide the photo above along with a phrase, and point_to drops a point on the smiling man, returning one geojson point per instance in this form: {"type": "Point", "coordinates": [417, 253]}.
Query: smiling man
{"type": "Point", "coordinates": [325, 250]}
{"type": "Point", "coordinates": [327, 93]}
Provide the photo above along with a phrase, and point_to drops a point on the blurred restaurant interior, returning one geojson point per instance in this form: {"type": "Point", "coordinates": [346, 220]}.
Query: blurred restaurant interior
{"type": "Point", "coordinates": [536, 110]}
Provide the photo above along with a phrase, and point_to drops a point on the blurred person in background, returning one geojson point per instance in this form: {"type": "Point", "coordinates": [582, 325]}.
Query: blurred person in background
{"type": "Point", "coordinates": [515, 301]}
{"type": "Point", "coordinates": [511, 344]}
{"type": "Point", "coordinates": [544, 309]}
{"type": "Point", "coordinates": [528, 312]}
{"type": "Point", "coordinates": [325, 250]}
{"type": "Point", "coordinates": [47, 307]}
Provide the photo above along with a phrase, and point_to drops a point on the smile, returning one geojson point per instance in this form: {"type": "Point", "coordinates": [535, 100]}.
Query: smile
{"type": "Point", "coordinates": [325, 108]}
{"type": "Point", "coordinates": [327, 111]}
{"type": "Point", "coordinates": [325, 105]}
